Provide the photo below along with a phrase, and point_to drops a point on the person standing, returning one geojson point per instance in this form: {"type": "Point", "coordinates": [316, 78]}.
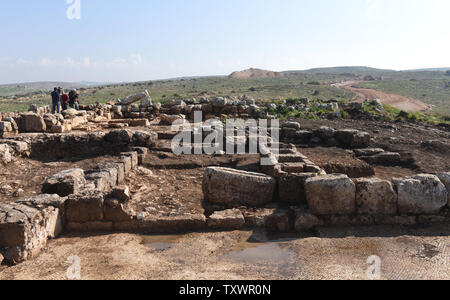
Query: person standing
{"type": "Point", "coordinates": [55, 101]}
{"type": "Point", "coordinates": [73, 99]}
{"type": "Point", "coordinates": [64, 100]}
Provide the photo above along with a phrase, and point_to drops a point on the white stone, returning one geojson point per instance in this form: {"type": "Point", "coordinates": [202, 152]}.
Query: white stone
{"type": "Point", "coordinates": [421, 194]}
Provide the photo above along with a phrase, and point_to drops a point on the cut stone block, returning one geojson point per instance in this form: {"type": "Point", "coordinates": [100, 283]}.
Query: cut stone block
{"type": "Point", "coordinates": [24, 229]}
{"type": "Point", "coordinates": [274, 220]}
{"type": "Point", "coordinates": [103, 180]}
{"type": "Point", "coordinates": [121, 193]}
{"type": "Point", "coordinates": [368, 152]}
{"type": "Point", "coordinates": [293, 167]}
{"type": "Point", "coordinates": [119, 137]}
{"type": "Point", "coordinates": [127, 163]}
{"type": "Point", "coordinates": [115, 211]}
{"type": "Point", "coordinates": [360, 140]}
{"type": "Point", "coordinates": [30, 122]}
{"type": "Point", "coordinates": [65, 183]}
{"type": "Point", "coordinates": [145, 139]}
{"type": "Point", "coordinates": [18, 147]}
{"type": "Point", "coordinates": [139, 123]}
{"type": "Point", "coordinates": [291, 188]}
{"type": "Point", "coordinates": [294, 125]}
{"type": "Point", "coordinates": [134, 98]}
{"type": "Point", "coordinates": [290, 158]}
{"type": "Point", "coordinates": [346, 136]}
{"type": "Point", "coordinates": [278, 222]}
{"type": "Point", "coordinates": [445, 179]}
{"type": "Point", "coordinates": [134, 158]}
{"type": "Point", "coordinates": [421, 194]}
{"type": "Point", "coordinates": [305, 221]}
{"type": "Point", "coordinates": [176, 224]}
{"type": "Point", "coordinates": [231, 219]}
{"type": "Point", "coordinates": [375, 197]}
{"type": "Point", "coordinates": [85, 207]}
{"type": "Point", "coordinates": [384, 158]}
{"type": "Point", "coordinates": [331, 195]}
{"type": "Point", "coordinates": [5, 154]}
{"type": "Point", "coordinates": [236, 188]}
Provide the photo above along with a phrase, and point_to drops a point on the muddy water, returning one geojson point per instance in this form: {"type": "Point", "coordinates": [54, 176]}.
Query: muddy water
{"type": "Point", "coordinates": [160, 243]}
{"type": "Point", "coordinates": [251, 249]}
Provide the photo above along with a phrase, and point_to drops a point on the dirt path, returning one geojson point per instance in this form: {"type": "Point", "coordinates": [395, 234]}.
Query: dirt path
{"type": "Point", "coordinates": [398, 101]}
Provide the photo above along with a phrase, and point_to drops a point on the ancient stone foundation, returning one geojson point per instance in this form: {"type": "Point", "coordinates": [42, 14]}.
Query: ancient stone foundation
{"type": "Point", "coordinates": [292, 194]}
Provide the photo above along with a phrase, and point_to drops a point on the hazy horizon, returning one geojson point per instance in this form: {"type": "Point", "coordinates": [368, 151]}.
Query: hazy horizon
{"type": "Point", "coordinates": [202, 76]}
{"type": "Point", "coordinates": [128, 41]}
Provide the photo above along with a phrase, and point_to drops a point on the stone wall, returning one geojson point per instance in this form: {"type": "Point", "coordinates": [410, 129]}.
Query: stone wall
{"type": "Point", "coordinates": [338, 200]}
{"type": "Point", "coordinates": [59, 146]}
{"type": "Point", "coordinates": [72, 200]}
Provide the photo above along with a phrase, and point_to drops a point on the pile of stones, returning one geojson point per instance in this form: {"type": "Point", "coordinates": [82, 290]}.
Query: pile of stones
{"type": "Point", "coordinates": [291, 132]}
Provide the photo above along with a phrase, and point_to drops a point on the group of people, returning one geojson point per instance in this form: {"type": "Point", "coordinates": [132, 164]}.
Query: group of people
{"type": "Point", "coordinates": [60, 99]}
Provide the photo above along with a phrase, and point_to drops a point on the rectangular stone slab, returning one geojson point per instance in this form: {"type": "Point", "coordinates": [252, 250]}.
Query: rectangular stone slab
{"type": "Point", "coordinates": [235, 188]}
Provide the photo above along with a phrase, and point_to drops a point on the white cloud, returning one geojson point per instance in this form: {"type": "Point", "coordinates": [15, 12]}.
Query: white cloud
{"type": "Point", "coordinates": [134, 60]}
{"type": "Point", "coordinates": [47, 62]}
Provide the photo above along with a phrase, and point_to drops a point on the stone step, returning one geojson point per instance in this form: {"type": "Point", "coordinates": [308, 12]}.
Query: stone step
{"type": "Point", "coordinates": [291, 158]}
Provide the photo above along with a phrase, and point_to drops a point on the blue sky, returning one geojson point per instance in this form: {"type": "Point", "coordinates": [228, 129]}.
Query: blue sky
{"type": "Point", "coordinates": [120, 40]}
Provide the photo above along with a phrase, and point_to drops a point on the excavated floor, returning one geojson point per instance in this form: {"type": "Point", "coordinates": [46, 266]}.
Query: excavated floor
{"type": "Point", "coordinates": [166, 193]}
{"type": "Point", "coordinates": [29, 174]}
{"type": "Point", "coordinates": [341, 161]}
{"type": "Point", "coordinates": [167, 185]}
{"type": "Point", "coordinates": [405, 253]}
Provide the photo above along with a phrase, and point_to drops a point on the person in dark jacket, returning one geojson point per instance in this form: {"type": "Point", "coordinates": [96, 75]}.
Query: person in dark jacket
{"type": "Point", "coordinates": [55, 101]}
{"type": "Point", "coordinates": [73, 99]}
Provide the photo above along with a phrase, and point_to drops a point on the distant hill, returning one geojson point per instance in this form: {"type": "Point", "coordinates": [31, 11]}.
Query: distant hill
{"type": "Point", "coordinates": [429, 70]}
{"type": "Point", "coordinates": [256, 73]}
{"type": "Point", "coordinates": [259, 73]}
{"type": "Point", "coordinates": [340, 70]}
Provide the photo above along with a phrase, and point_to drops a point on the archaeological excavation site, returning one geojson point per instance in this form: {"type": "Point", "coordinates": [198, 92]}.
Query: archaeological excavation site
{"type": "Point", "coordinates": [111, 168]}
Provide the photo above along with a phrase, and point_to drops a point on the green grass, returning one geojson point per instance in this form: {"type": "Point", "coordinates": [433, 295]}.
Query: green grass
{"type": "Point", "coordinates": [431, 91]}
{"type": "Point", "coordinates": [427, 86]}
{"type": "Point", "coordinates": [267, 89]}
{"type": "Point", "coordinates": [395, 114]}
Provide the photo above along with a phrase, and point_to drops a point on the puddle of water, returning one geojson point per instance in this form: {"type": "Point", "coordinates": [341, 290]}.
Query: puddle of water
{"type": "Point", "coordinates": [160, 242]}
{"type": "Point", "coordinates": [268, 253]}
{"type": "Point", "coordinates": [429, 251]}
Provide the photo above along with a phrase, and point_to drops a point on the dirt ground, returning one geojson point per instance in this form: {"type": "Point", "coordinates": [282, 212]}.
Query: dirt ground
{"type": "Point", "coordinates": [398, 101]}
{"type": "Point", "coordinates": [29, 174]}
{"type": "Point", "coordinates": [423, 149]}
{"type": "Point", "coordinates": [169, 185]}
{"type": "Point", "coordinates": [340, 161]}
{"type": "Point", "coordinates": [413, 253]}
{"type": "Point", "coordinates": [166, 192]}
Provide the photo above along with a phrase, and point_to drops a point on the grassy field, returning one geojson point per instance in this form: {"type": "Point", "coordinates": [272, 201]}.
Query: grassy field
{"type": "Point", "coordinates": [268, 89]}
{"type": "Point", "coordinates": [430, 91]}
{"type": "Point", "coordinates": [431, 87]}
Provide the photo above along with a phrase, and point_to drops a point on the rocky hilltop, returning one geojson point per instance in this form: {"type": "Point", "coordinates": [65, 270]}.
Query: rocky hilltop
{"type": "Point", "coordinates": [256, 73]}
